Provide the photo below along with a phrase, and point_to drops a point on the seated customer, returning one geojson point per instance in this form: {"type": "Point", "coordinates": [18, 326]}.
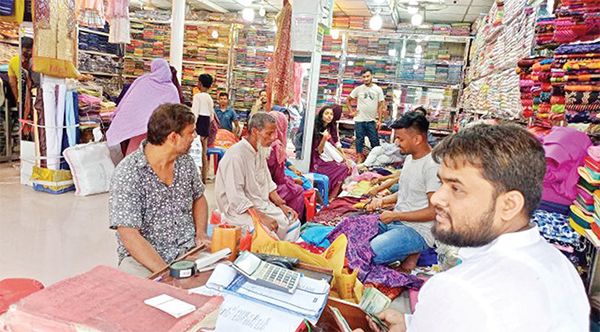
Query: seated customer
{"type": "Point", "coordinates": [288, 189]}
{"type": "Point", "coordinates": [326, 131]}
{"type": "Point", "coordinates": [244, 182]}
{"type": "Point", "coordinates": [156, 201]}
{"type": "Point", "coordinates": [227, 116]}
{"type": "Point", "coordinates": [510, 279]}
{"type": "Point", "coordinates": [407, 229]}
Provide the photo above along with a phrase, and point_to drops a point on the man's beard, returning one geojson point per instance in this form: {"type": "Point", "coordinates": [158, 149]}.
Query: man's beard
{"type": "Point", "coordinates": [263, 152]}
{"type": "Point", "coordinates": [477, 232]}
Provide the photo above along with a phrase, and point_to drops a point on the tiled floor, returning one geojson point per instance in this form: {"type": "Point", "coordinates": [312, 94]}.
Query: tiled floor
{"type": "Point", "coordinates": [52, 237]}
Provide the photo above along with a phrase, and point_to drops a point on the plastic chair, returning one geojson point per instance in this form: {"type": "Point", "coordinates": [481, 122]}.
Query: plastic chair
{"type": "Point", "coordinates": [321, 182]}
{"type": "Point", "coordinates": [310, 204]}
{"type": "Point", "coordinates": [218, 153]}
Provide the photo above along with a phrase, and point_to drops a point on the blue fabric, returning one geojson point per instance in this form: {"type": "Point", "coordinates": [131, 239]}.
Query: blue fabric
{"type": "Point", "coordinates": [6, 7]}
{"type": "Point", "coordinates": [70, 121]}
{"type": "Point", "coordinates": [317, 235]}
{"type": "Point", "coordinates": [365, 129]}
{"type": "Point", "coordinates": [394, 188]}
{"type": "Point", "coordinates": [555, 226]}
{"type": "Point", "coordinates": [428, 258]}
{"type": "Point", "coordinates": [226, 118]}
{"type": "Point", "coordinates": [305, 183]}
{"type": "Point", "coordinates": [395, 242]}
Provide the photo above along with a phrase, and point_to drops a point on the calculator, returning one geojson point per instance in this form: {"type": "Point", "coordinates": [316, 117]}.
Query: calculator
{"type": "Point", "coordinates": [266, 274]}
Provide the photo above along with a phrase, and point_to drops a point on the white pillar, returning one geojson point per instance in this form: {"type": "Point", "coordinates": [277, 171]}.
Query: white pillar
{"type": "Point", "coordinates": [177, 33]}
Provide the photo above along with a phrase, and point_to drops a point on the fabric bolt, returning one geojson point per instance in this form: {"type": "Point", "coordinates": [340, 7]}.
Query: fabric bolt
{"type": "Point", "coordinates": [54, 94]}
{"type": "Point", "coordinates": [147, 92]}
{"type": "Point", "coordinates": [588, 186]}
{"type": "Point", "coordinates": [555, 226]}
{"type": "Point", "coordinates": [360, 230]}
{"type": "Point", "coordinates": [71, 117]}
{"type": "Point", "coordinates": [580, 218]}
{"type": "Point", "coordinates": [594, 152]}
{"type": "Point", "coordinates": [317, 235]}
{"type": "Point", "coordinates": [589, 175]}
{"type": "Point", "coordinates": [280, 80]}
{"type": "Point", "coordinates": [586, 195]}
{"type": "Point", "coordinates": [588, 210]}
{"type": "Point", "coordinates": [162, 213]}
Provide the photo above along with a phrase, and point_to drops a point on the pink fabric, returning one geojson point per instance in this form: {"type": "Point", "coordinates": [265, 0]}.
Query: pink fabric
{"type": "Point", "coordinates": [594, 152]}
{"type": "Point", "coordinates": [134, 144]}
{"type": "Point", "coordinates": [280, 143]}
{"type": "Point", "coordinates": [105, 299]}
{"type": "Point", "coordinates": [565, 150]}
{"type": "Point", "coordinates": [368, 176]}
{"type": "Point", "coordinates": [141, 100]}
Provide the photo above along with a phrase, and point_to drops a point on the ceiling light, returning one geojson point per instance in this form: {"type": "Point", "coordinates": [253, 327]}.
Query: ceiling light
{"type": "Point", "coordinates": [412, 10]}
{"type": "Point", "coordinates": [215, 34]}
{"type": "Point", "coordinates": [262, 11]}
{"type": "Point", "coordinates": [335, 34]}
{"type": "Point", "coordinates": [416, 66]}
{"type": "Point", "coordinates": [270, 48]}
{"type": "Point", "coordinates": [275, 28]}
{"type": "Point", "coordinates": [350, 63]}
{"type": "Point", "coordinates": [392, 52]}
{"type": "Point", "coordinates": [416, 19]}
{"type": "Point", "coordinates": [376, 22]}
{"type": "Point", "coordinates": [245, 3]}
{"type": "Point", "coordinates": [248, 14]}
{"type": "Point", "coordinates": [418, 49]}
{"type": "Point", "coordinates": [413, 3]}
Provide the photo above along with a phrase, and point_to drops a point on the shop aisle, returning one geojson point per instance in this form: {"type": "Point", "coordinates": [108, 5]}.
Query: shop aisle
{"type": "Point", "coordinates": [50, 238]}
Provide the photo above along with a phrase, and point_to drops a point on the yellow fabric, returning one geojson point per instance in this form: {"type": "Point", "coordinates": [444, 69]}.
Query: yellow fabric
{"type": "Point", "coordinates": [583, 172]}
{"type": "Point", "coordinates": [581, 215]}
{"type": "Point", "coordinates": [576, 227]}
{"type": "Point", "coordinates": [17, 16]}
{"type": "Point", "coordinates": [14, 66]}
{"type": "Point", "coordinates": [56, 177]}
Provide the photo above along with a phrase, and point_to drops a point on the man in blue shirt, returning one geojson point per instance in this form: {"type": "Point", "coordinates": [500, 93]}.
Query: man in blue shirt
{"type": "Point", "coordinates": [227, 116]}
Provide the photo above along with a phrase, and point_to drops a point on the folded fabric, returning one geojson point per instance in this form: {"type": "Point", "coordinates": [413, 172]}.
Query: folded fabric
{"type": "Point", "coordinates": [583, 107]}
{"type": "Point", "coordinates": [578, 48]}
{"type": "Point", "coordinates": [581, 218]}
{"type": "Point", "coordinates": [586, 195]}
{"type": "Point", "coordinates": [555, 226]}
{"type": "Point", "coordinates": [584, 206]}
{"type": "Point", "coordinates": [580, 230]}
{"type": "Point", "coordinates": [594, 152]}
{"type": "Point", "coordinates": [589, 175]}
{"type": "Point", "coordinates": [558, 108]}
{"type": "Point", "coordinates": [592, 164]}
{"type": "Point", "coordinates": [557, 99]}
{"type": "Point", "coordinates": [581, 97]}
{"type": "Point", "coordinates": [590, 187]}
{"type": "Point", "coordinates": [317, 235]}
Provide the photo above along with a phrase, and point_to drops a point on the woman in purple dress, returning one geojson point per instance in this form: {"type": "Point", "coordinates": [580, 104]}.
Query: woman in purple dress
{"type": "Point", "coordinates": [287, 188]}
{"type": "Point", "coordinates": [326, 131]}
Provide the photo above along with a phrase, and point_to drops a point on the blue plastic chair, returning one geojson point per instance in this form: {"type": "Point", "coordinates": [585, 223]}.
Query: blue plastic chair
{"type": "Point", "coordinates": [218, 153]}
{"type": "Point", "coordinates": [321, 182]}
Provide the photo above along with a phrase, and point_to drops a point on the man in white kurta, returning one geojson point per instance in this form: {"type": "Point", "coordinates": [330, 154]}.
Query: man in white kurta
{"type": "Point", "coordinates": [243, 182]}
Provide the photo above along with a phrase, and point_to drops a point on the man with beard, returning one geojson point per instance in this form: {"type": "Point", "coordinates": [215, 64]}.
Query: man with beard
{"type": "Point", "coordinates": [406, 231]}
{"type": "Point", "coordinates": [156, 201]}
{"type": "Point", "coordinates": [510, 279]}
{"type": "Point", "coordinates": [244, 182]}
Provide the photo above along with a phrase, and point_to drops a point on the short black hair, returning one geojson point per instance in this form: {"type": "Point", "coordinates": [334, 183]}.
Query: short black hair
{"type": "Point", "coordinates": [412, 120]}
{"type": "Point", "coordinates": [223, 94]}
{"type": "Point", "coordinates": [205, 80]}
{"type": "Point", "coordinates": [27, 42]}
{"type": "Point", "coordinates": [365, 70]}
{"type": "Point", "coordinates": [507, 156]}
{"type": "Point", "coordinates": [166, 119]}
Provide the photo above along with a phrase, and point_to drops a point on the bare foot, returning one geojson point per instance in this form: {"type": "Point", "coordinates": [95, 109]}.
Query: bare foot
{"type": "Point", "coordinates": [410, 262]}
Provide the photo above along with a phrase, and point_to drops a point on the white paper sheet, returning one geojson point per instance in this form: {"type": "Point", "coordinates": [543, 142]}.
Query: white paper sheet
{"type": "Point", "coordinates": [241, 315]}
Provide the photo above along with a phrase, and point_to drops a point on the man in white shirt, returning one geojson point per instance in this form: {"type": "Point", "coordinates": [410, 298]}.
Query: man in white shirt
{"type": "Point", "coordinates": [244, 182]}
{"type": "Point", "coordinates": [370, 104]}
{"type": "Point", "coordinates": [406, 231]}
{"type": "Point", "coordinates": [203, 109]}
{"type": "Point", "coordinates": [510, 279]}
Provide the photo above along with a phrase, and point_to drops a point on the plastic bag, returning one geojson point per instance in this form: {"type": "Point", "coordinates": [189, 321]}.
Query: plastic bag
{"type": "Point", "coordinates": [92, 167]}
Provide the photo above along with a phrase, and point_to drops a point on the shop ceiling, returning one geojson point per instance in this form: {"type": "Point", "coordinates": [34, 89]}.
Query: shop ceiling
{"type": "Point", "coordinates": [392, 11]}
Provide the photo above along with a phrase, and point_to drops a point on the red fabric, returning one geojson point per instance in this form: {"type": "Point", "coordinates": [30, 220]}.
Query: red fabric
{"type": "Point", "coordinates": [311, 248]}
{"type": "Point", "coordinates": [280, 82]}
{"type": "Point", "coordinates": [591, 163]}
{"type": "Point", "coordinates": [106, 299]}
{"type": "Point", "coordinates": [12, 290]}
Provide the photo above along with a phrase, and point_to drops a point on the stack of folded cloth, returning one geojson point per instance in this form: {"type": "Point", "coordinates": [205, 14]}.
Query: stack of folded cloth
{"type": "Point", "coordinates": [555, 228]}
{"type": "Point", "coordinates": [544, 31]}
{"type": "Point", "coordinates": [581, 78]}
{"type": "Point", "coordinates": [541, 74]}
{"type": "Point", "coordinates": [527, 85]}
{"type": "Point", "coordinates": [585, 210]}
{"type": "Point", "coordinates": [577, 20]}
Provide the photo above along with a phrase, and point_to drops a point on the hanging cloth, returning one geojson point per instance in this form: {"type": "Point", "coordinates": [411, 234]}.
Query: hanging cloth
{"type": "Point", "coordinates": [90, 13]}
{"type": "Point", "coordinates": [55, 38]}
{"type": "Point", "coordinates": [117, 15]}
{"type": "Point", "coordinates": [280, 82]}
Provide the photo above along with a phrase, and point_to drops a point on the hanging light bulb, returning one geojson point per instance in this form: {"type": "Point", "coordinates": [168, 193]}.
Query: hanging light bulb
{"type": "Point", "coordinates": [262, 11]}
{"type": "Point", "coordinates": [412, 9]}
{"type": "Point", "coordinates": [419, 49]}
{"type": "Point", "coordinates": [376, 22]}
{"type": "Point", "coordinates": [248, 14]}
{"type": "Point", "coordinates": [335, 34]}
{"type": "Point", "coordinates": [416, 19]}
{"type": "Point", "coordinates": [215, 34]}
